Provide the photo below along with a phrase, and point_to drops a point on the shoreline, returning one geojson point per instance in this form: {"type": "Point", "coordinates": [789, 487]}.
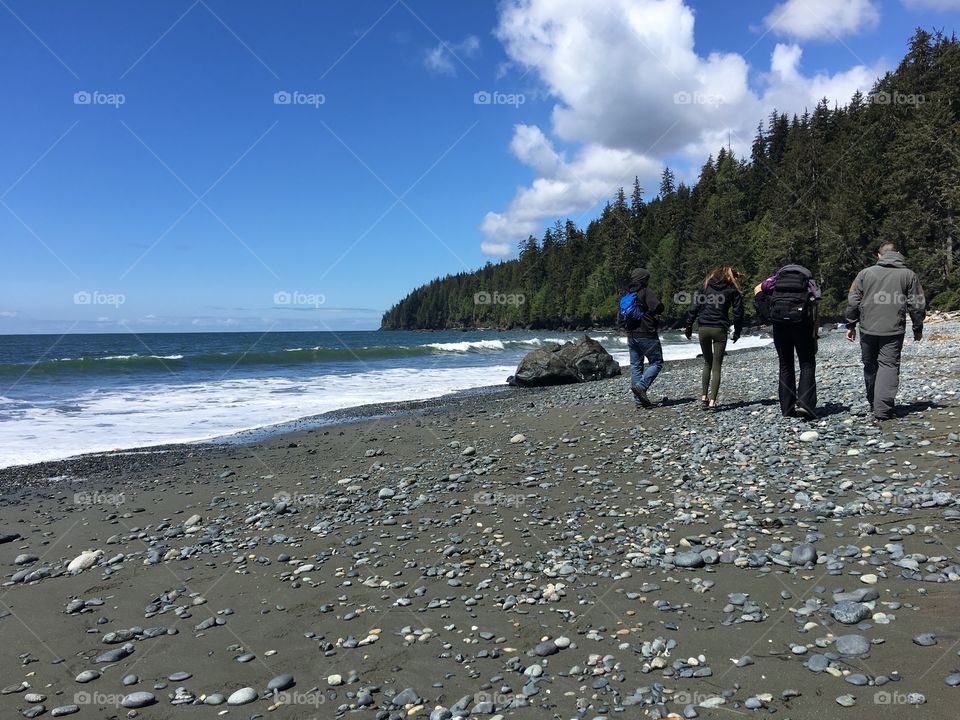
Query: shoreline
{"type": "Point", "coordinates": [358, 413]}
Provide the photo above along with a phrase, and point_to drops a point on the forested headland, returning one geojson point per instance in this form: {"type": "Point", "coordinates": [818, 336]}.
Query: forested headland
{"type": "Point", "coordinates": [824, 189]}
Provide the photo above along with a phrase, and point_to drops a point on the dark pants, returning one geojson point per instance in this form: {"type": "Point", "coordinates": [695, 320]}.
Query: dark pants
{"type": "Point", "coordinates": [802, 340]}
{"type": "Point", "coordinates": [881, 371]}
{"type": "Point", "coordinates": [640, 348]}
{"type": "Point", "coordinates": [713, 345]}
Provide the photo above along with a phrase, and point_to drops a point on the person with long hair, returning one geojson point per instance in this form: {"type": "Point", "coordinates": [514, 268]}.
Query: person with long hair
{"type": "Point", "coordinates": [712, 304]}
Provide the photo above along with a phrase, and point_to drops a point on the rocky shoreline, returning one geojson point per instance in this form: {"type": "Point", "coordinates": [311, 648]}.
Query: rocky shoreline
{"type": "Point", "coordinates": [518, 553]}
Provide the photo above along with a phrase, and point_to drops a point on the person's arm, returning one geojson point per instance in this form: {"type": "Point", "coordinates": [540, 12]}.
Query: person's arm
{"type": "Point", "coordinates": [737, 315]}
{"type": "Point", "coordinates": [654, 306]}
{"type": "Point", "coordinates": [854, 297]}
{"type": "Point", "coordinates": [692, 315]}
{"type": "Point", "coordinates": [767, 285]}
{"type": "Point", "coordinates": [917, 307]}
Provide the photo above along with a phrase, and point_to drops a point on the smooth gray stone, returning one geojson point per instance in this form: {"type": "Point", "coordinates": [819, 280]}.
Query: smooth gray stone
{"type": "Point", "coordinates": [689, 559]}
{"type": "Point", "coordinates": [407, 696]}
{"type": "Point", "coordinates": [138, 700]}
{"type": "Point", "coordinates": [281, 682]}
{"type": "Point", "coordinates": [803, 554]}
{"type": "Point", "coordinates": [242, 696]}
{"type": "Point", "coordinates": [65, 710]}
{"type": "Point", "coordinates": [850, 613]}
{"type": "Point", "coordinates": [852, 645]}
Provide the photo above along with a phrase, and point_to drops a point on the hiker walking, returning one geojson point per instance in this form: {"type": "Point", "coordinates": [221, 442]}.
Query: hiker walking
{"type": "Point", "coordinates": [788, 300]}
{"type": "Point", "coordinates": [879, 300]}
{"type": "Point", "coordinates": [711, 306]}
{"type": "Point", "coordinates": [638, 316]}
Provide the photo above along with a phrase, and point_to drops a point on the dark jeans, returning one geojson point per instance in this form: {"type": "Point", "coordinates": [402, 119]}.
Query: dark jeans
{"type": "Point", "coordinates": [802, 340]}
{"type": "Point", "coordinates": [640, 348]}
{"type": "Point", "coordinates": [713, 345]}
{"type": "Point", "coordinates": [881, 371]}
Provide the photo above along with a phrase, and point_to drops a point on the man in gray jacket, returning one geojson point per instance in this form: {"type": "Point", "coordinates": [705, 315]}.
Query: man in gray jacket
{"type": "Point", "coordinates": [879, 300]}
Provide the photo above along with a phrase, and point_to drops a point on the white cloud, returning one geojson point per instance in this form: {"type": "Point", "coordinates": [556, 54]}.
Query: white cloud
{"type": "Point", "coordinates": [445, 57]}
{"type": "Point", "coordinates": [822, 19]}
{"type": "Point", "coordinates": [941, 5]}
{"type": "Point", "coordinates": [564, 187]}
{"type": "Point", "coordinates": [496, 249]}
{"type": "Point", "coordinates": [646, 97]}
{"type": "Point", "coordinates": [8, 314]}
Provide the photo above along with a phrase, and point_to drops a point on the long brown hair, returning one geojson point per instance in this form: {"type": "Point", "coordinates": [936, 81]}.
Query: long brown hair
{"type": "Point", "coordinates": [724, 271]}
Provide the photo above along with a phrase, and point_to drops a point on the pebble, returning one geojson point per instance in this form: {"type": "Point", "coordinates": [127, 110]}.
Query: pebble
{"type": "Point", "coordinates": [138, 700]}
{"type": "Point", "coordinates": [852, 645]}
{"type": "Point", "coordinates": [242, 696]}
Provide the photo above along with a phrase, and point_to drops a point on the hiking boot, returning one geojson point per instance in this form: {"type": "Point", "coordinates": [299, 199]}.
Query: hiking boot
{"type": "Point", "coordinates": [641, 395]}
{"type": "Point", "coordinates": [805, 413]}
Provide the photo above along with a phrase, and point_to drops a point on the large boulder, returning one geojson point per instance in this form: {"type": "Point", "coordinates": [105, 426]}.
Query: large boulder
{"type": "Point", "coordinates": [572, 362]}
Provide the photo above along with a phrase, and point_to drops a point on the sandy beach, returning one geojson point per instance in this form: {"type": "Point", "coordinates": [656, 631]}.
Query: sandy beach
{"type": "Point", "coordinates": [548, 553]}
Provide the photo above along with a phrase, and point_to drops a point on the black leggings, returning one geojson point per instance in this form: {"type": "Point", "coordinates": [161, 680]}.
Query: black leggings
{"type": "Point", "coordinates": [713, 345]}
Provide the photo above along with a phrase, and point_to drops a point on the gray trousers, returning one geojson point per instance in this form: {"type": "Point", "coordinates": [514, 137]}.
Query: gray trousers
{"type": "Point", "coordinates": [881, 371]}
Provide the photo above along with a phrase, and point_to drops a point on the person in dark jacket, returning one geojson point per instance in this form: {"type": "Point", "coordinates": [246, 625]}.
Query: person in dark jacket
{"type": "Point", "coordinates": [879, 300]}
{"type": "Point", "coordinates": [788, 298]}
{"type": "Point", "coordinates": [644, 340]}
{"type": "Point", "coordinates": [711, 305]}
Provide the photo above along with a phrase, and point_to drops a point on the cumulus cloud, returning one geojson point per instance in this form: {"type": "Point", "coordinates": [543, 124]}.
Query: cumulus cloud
{"type": "Point", "coordinates": [444, 58]}
{"type": "Point", "coordinates": [565, 187]}
{"type": "Point", "coordinates": [645, 97]}
{"type": "Point", "coordinates": [822, 19]}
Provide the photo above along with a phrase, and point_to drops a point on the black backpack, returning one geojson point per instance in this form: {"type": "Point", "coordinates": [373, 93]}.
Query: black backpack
{"type": "Point", "coordinates": [789, 302]}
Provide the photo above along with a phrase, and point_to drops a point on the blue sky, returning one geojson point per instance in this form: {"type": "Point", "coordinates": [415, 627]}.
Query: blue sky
{"type": "Point", "coordinates": [155, 180]}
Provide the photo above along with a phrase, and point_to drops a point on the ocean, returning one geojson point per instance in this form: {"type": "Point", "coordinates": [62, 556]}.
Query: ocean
{"type": "Point", "coordinates": [64, 396]}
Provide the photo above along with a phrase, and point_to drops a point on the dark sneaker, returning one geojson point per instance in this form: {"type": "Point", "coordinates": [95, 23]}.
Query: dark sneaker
{"type": "Point", "coordinates": [805, 413]}
{"type": "Point", "coordinates": [641, 395]}
{"type": "Point", "coordinates": [704, 405]}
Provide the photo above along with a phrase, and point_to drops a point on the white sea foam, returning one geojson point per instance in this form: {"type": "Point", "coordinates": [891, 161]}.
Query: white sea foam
{"type": "Point", "coordinates": [159, 413]}
{"type": "Point", "coordinates": [468, 345]}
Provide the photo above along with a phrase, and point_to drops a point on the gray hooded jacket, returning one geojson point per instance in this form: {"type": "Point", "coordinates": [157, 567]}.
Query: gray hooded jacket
{"type": "Point", "coordinates": [883, 294]}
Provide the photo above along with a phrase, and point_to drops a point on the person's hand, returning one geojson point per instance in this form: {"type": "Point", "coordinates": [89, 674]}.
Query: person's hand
{"type": "Point", "coordinates": [851, 334]}
{"type": "Point", "coordinates": [918, 334]}
{"type": "Point", "coordinates": [689, 333]}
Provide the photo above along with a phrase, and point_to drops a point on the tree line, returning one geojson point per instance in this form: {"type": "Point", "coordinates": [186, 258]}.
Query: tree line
{"type": "Point", "coordinates": [823, 189]}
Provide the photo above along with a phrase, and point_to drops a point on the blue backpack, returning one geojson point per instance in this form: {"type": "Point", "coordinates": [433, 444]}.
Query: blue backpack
{"type": "Point", "coordinates": [630, 311]}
